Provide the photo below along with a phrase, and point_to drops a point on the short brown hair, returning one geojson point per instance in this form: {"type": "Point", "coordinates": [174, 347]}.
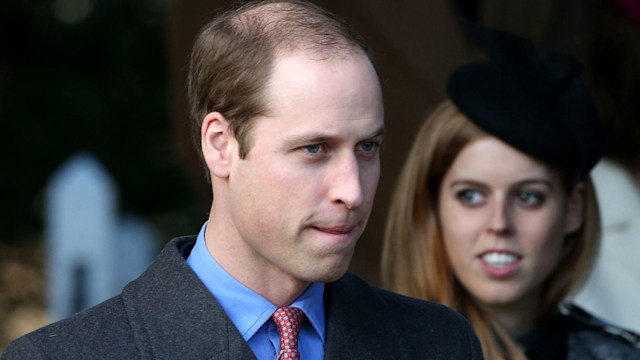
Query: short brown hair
{"type": "Point", "coordinates": [233, 57]}
{"type": "Point", "coordinates": [414, 260]}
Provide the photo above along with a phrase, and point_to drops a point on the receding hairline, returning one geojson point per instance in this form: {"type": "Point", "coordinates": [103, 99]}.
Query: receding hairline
{"type": "Point", "coordinates": [234, 56]}
{"type": "Point", "coordinates": [292, 26]}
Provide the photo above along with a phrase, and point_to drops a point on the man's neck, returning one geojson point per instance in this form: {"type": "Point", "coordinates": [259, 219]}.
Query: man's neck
{"type": "Point", "coordinates": [250, 269]}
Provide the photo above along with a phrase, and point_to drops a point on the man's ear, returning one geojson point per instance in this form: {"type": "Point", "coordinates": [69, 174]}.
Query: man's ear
{"type": "Point", "coordinates": [218, 144]}
{"type": "Point", "coordinates": [574, 209]}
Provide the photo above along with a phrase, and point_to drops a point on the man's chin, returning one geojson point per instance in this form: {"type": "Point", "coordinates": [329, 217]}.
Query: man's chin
{"type": "Point", "coordinates": [330, 274]}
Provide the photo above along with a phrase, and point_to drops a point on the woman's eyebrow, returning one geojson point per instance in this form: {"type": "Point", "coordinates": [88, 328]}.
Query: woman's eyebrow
{"type": "Point", "coordinates": [536, 181]}
{"type": "Point", "coordinates": [467, 182]}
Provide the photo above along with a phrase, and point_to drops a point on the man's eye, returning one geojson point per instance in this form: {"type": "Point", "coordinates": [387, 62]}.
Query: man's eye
{"type": "Point", "coordinates": [313, 149]}
{"type": "Point", "coordinates": [369, 145]}
{"type": "Point", "coordinates": [470, 197]}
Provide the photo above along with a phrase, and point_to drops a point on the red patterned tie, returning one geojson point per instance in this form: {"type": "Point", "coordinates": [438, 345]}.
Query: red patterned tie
{"type": "Point", "coordinates": [288, 321]}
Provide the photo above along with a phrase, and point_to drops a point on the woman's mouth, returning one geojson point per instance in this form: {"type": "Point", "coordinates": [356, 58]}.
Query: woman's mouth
{"type": "Point", "coordinates": [499, 259]}
{"type": "Point", "coordinates": [499, 263]}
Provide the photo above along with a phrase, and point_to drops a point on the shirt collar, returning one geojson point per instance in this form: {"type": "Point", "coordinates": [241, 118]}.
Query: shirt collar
{"type": "Point", "coordinates": [247, 309]}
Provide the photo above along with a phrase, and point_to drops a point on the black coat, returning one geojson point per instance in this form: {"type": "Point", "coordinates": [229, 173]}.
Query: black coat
{"type": "Point", "coordinates": [576, 335]}
{"type": "Point", "coordinates": [168, 313]}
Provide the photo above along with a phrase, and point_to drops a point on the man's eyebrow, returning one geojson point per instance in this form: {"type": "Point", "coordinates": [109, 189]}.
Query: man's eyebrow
{"type": "Point", "coordinates": [322, 137]}
{"type": "Point", "coordinates": [381, 131]}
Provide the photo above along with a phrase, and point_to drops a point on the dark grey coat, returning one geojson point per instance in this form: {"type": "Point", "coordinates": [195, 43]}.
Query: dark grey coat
{"type": "Point", "coordinates": [167, 313]}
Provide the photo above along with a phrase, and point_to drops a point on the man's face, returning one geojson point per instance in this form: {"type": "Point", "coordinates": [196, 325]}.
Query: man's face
{"type": "Point", "coordinates": [302, 197]}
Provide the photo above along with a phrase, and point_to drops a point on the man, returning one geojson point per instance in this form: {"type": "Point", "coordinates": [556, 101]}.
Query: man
{"type": "Point", "coordinates": [288, 109]}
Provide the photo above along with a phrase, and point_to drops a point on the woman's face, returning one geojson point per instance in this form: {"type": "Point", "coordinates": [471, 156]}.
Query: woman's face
{"type": "Point", "coordinates": [503, 218]}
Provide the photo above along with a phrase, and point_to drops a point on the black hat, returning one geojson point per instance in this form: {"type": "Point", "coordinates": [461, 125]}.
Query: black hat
{"type": "Point", "coordinates": [539, 105]}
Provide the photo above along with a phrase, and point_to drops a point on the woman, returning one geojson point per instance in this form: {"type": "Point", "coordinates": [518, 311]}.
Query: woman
{"type": "Point", "coordinates": [494, 214]}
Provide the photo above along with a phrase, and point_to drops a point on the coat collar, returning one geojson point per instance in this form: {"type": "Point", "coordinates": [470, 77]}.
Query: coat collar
{"type": "Point", "coordinates": [174, 315]}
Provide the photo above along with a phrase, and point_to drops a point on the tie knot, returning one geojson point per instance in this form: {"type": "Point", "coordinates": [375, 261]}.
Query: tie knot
{"type": "Point", "coordinates": [288, 321]}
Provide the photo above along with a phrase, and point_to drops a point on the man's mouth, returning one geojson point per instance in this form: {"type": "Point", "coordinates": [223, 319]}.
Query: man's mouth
{"type": "Point", "coordinates": [335, 230]}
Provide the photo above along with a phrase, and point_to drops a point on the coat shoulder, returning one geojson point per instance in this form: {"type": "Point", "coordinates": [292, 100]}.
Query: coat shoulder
{"type": "Point", "coordinates": [426, 315]}
{"type": "Point", "coordinates": [422, 329]}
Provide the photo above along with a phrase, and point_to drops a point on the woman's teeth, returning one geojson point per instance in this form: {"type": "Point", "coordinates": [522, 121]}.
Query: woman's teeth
{"type": "Point", "coordinates": [499, 259]}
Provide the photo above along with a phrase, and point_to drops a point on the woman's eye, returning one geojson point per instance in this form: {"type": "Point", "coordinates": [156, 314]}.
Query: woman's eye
{"type": "Point", "coordinates": [530, 198]}
{"type": "Point", "coordinates": [470, 197]}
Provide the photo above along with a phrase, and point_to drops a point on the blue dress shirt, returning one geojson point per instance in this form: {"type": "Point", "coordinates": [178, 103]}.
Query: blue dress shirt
{"type": "Point", "coordinates": [251, 313]}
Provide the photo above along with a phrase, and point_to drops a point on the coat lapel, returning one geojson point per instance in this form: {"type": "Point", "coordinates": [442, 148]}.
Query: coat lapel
{"type": "Point", "coordinates": [174, 316]}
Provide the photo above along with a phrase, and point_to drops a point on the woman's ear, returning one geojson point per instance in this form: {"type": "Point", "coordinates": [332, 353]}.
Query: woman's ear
{"type": "Point", "coordinates": [217, 144]}
{"type": "Point", "coordinates": [574, 209]}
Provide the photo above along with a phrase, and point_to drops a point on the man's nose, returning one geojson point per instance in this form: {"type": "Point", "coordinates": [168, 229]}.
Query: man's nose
{"type": "Point", "coordinates": [346, 185]}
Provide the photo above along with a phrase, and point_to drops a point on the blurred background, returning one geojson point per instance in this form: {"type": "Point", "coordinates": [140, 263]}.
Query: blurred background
{"type": "Point", "coordinates": [106, 80]}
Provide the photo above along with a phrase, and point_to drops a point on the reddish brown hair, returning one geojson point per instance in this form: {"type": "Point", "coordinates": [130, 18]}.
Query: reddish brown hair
{"type": "Point", "coordinates": [414, 260]}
